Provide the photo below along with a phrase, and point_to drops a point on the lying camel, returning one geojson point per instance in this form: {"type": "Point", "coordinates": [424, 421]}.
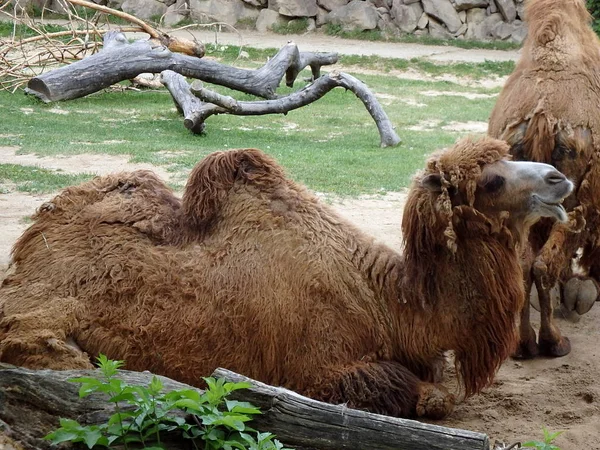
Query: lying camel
{"type": "Point", "coordinates": [549, 111]}
{"type": "Point", "coordinates": [251, 272]}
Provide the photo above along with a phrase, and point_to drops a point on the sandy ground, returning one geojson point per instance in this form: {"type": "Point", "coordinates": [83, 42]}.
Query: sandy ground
{"type": "Point", "coordinates": [562, 393]}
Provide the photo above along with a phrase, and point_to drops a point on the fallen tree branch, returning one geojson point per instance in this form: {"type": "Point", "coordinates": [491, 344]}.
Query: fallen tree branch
{"type": "Point", "coordinates": [185, 101]}
{"type": "Point", "coordinates": [175, 44]}
{"type": "Point", "coordinates": [31, 403]}
{"type": "Point", "coordinates": [120, 61]}
{"type": "Point", "coordinates": [219, 104]}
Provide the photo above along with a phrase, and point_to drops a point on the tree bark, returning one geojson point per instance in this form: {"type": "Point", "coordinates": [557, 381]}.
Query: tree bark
{"type": "Point", "coordinates": [220, 104]}
{"type": "Point", "coordinates": [186, 103]}
{"type": "Point", "coordinates": [120, 61]}
{"type": "Point", "coordinates": [31, 403]}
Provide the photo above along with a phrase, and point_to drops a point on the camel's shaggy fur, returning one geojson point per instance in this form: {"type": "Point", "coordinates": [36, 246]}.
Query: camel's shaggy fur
{"type": "Point", "coordinates": [549, 111]}
{"type": "Point", "coordinates": [251, 272]}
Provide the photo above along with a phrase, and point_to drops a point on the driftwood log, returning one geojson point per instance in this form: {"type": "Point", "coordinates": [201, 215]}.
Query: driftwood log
{"type": "Point", "coordinates": [220, 104]}
{"type": "Point", "coordinates": [31, 403]}
{"type": "Point", "coordinates": [119, 60]}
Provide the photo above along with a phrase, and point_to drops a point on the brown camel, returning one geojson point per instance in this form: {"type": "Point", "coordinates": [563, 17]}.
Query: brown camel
{"type": "Point", "coordinates": [249, 271]}
{"type": "Point", "coordinates": [549, 111]}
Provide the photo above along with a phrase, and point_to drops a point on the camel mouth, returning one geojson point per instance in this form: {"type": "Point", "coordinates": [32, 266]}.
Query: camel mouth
{"type": "Point", "coordinates": [551, 209]}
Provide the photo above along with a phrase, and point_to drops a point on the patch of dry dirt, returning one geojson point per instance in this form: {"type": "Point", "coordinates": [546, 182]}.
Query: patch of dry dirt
{"type": "Point", "coordinates": [97, 164]}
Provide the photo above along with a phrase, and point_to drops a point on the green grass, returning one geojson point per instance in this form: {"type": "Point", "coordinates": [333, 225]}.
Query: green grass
{"type": "Point", "coordinates": [331, 145]}
{"type": "Point", "coordinates": [378, 35]}
{"type": "Point", "coordinates": [36, 180]}
{"type": "Point", "coordinates": [295, 26]}
{"type": "Point", "coordinates": [22, 31]}
{"type": "Point", "coordinates": [230, 55]}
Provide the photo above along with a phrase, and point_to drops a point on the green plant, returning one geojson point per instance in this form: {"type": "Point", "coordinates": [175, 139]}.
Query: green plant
{"type": "Point", "coordinates": [594, 9]}
{"type": "Point", "coordinates": [295, 26]}
{"type": "Point", "coordinates": [546, 444]}
{"type": "Point", "coordinates": [247, 23]}
{"type": "Point", "coordinates": [144, 414]}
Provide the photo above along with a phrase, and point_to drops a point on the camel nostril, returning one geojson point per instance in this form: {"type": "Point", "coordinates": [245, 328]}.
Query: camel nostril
{"type": "Point", "coordinates": [555, 177]}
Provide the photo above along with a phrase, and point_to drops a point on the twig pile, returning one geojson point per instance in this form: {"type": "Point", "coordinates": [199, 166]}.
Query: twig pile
{"type": "Point", "coordinates": [22, 58]}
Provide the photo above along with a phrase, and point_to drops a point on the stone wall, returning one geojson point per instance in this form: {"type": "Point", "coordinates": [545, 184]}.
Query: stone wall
{"type": "Point", "coordinates": [446, 19]}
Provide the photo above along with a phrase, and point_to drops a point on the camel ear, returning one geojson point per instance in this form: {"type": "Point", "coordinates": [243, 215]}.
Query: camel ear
{"type": "Point", "coordinates": [432, 182]}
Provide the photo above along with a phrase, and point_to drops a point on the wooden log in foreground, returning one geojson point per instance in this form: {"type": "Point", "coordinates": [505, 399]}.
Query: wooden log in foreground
{"type": "Point", "coordinates": [31, 403]}
{"type": "Point", "coordinates": [120, 61]}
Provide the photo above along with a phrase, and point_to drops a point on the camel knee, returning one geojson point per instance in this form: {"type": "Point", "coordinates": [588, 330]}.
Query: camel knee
{"type": "Point", "coordinates": [434, 402]}
{"type": "Point", "coordinates": [43, 351]}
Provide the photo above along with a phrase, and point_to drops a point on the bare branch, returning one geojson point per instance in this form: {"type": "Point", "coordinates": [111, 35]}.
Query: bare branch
{"type": "Point", "coordinates": [126, 61]}
{"type": "Point", "coordinates": [219, 104]}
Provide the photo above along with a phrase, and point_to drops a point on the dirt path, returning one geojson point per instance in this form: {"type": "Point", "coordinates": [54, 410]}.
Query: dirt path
{"type": "Point", "coordinates": [319, 42]}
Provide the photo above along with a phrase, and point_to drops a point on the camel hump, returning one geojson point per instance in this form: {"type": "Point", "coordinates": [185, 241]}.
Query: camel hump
{"type": "Point", "coordinates": [213, 177]}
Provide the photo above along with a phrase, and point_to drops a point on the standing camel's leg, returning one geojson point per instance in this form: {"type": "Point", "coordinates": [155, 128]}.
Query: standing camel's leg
{"type": "Point", "coordinates": [383, 387]}
{"type": "Point", "coordinates": [527, 347]}
{"type": "Point", "coordinates": [556, 254]}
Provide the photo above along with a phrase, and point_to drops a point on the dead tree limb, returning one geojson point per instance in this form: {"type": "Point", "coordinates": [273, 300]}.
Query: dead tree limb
{"type": "Point", "coordinates": [175, 44]}
{"type": "Point", "coordinates": [31, 403]}
{"type": "Point", "coordinates": [186, 103]}
{"type": "Point", "coordinates": [120, 61]}
{"type": "Point", "coordinates": [219, 104]}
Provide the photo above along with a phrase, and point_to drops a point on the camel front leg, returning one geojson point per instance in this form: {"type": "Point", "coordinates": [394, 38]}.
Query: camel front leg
{"type": "Point", "coordinates": [527, 347]}
{"type": "Point", "coordinates": [555, 255]}
{"type": "Point", "coordinates": [383, 387]}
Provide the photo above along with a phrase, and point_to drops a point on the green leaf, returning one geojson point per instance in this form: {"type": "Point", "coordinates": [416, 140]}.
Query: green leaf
{"type": "Point", "coordinates": [535, 444]}
{"type": "Point", "coordinates": [60, 435]}
{"type": "Point", "coordinates": [155, 385]}
{"type": "Point", "coordinates": [120, 416]}
{"type": "Point", "coordinates": [232, 422]}
{"type": "Point", "coordinates": [108, 367]}
{"type": "Point", "coordinates": [241, 407]}
{"type": "Point", "coordinates": [549, 437]}
{"type": "Point", "coordinates": [191, 406]}
{"type": "Point", "coordinates": [91, 437]}
{"type": "Point", "coordinates": [123, 397]}
{"type": "Point", "coordinates": [70, 424]}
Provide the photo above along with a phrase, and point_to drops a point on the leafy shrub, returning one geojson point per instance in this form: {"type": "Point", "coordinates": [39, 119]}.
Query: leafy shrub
{"type": "Point", "coordinates": [546, 444]}
{"type": "Point", "coordinates": [594, 8]}
{"type": "Point", "coordinates": [218, 423]}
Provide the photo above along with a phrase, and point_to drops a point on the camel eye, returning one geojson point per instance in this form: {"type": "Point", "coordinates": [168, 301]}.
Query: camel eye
{"type": "Point", "coordinates": [561, 152]}
{"type": "Point", "coordinates": [494, 184]}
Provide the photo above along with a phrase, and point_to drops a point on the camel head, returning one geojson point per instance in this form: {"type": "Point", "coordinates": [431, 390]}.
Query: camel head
{"type": "Point", "coordinates": [477, 178]}
{"type": "Point", "coordinates": [463, 223]}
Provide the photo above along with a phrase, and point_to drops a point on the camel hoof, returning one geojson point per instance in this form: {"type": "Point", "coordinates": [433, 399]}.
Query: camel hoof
{"type": "Point", "coordinates": [580, 294]}
{"type": "Point", "coordinates": [553, 348]}
{"type": "Point", "coordinates": [435, 402]}
{"type": "Point", "coordinates": [555, 297]}
{"type": "Point", "coordinates": [526, 350]}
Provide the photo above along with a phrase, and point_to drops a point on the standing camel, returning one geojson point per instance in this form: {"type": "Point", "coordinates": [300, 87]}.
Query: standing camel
{"type": "Point", "coordinates": [549, 111]}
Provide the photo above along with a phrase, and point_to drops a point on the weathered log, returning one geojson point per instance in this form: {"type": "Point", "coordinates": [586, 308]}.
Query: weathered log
{"type": "Point", "coordinates": [31, 403]}
{"type": "Point", "coordinates": [186, 103]}
{"type": "Point", "coordinates": [120, 61]}
{"type": "Point", "coordinates": [220, 104]}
